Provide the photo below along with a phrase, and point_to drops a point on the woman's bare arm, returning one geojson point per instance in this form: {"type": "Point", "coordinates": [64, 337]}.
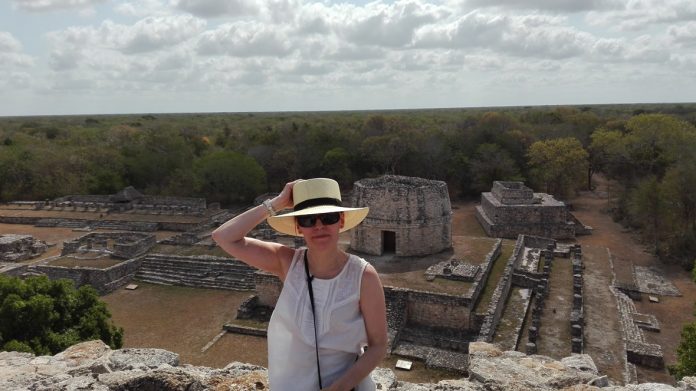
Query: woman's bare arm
{"type": "Point", "coordinates": [269, 256]}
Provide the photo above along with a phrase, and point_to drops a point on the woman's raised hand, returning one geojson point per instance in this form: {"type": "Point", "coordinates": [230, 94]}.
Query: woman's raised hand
{"type": "Point", "coordinates": [284, 199]}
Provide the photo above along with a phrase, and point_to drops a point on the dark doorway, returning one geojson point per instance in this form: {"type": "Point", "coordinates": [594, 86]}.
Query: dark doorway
{"type": "Point", "coordinates": [388, 242]}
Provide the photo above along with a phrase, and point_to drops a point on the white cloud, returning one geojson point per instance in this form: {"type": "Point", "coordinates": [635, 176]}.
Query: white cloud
{"type": "Point", "coordinates": [218, 8]}
{"type": "Point", "coordinates": [684, 34]}
{"type": "Point", "coordinates": [155, 33]}
{"type": "Point", "coordinates": [390, 25]}
{"type": "Point", "coordinates": [11, 52]}
{"type": "Point", "coordinates": [471, 30]}
{"type": "Point", "coordinates": [245, 39]}
{"type": "Point", "coordinates": [525, 36]}
{"type": "Point", "coordinates": [642, 14]}
{"type": "Point", "coordinates": [52, 5]}
{"type": "Point", "coordinates": [146, 35]}
{"type": "Point", "coordinates": [8, 43]}
{"type": "Point", "coordinates": [549, 5]}
{"type": "Point", "coordinates": [544, 37]}
{"type": "Point", "coordinates": [143, 8]}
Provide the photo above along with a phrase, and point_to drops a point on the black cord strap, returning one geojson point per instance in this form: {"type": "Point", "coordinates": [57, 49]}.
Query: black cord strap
{"type": "Point", "coordinates": [314, 316]}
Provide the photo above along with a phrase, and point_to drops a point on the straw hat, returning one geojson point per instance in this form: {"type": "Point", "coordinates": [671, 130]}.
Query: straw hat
{"type": "Point", "coordinates": [316, 196]}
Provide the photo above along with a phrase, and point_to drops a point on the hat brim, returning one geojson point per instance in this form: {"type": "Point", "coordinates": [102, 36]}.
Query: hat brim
{"type": "Point", "coordinates": [285, 223]}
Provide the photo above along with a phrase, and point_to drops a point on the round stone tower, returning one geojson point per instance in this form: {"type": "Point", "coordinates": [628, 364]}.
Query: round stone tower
{"type": "Point", "coordinates": [408, 216]}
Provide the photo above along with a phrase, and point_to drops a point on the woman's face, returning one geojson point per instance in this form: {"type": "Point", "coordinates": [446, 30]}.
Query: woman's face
{"type": "Point", "coordinates": [320, 234]}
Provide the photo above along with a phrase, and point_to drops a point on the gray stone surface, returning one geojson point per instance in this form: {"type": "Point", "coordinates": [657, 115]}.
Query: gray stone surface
{"type": "Point", "coordinates": [81, 367]}
{"type": "Point", "coordinates": [651, 280]}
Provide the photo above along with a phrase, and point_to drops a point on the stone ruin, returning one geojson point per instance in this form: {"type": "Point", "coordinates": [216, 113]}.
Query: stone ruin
{"type": "Point", "coordinates": [512, 209]}
{"type": "Point", "coordinates": [124, 245]}
{"type": "Point", "coordinates": [408, 216]}
{"type": "Point", "coordinates": [15, 248]}
{"type": "Point", "coordinates": [453, 270]}
{"type": "Point", "coordinates": [126, 200]}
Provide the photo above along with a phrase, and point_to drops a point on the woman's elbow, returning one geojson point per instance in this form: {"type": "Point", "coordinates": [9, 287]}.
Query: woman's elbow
{"type": "Point", "coordinates": [216, 236]}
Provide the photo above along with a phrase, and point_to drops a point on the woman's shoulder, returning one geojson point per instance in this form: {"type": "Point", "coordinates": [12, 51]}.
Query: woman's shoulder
{"type": "Point", "coordinates": [362, 266]}
{"type": "Point", "coordinates": [287, 255]}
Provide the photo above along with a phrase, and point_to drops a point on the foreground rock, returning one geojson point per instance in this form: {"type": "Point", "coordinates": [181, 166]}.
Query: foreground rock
{"type": "Point", "coordinates": [93, 366]}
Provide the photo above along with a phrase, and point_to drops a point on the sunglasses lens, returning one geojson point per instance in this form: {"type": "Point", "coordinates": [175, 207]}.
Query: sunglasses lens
{"type": "Point", "coordinates": [308, 221]}
{"type": "Point", "coordinates": [330, 218]}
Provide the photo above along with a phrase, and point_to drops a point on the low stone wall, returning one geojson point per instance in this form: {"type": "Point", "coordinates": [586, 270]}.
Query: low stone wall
{"type": "Point", "coordinates": [580, 228]}
{"type": "Point", "coordinates": [437, 310]}
{"type": "Point", "coordinates": [19, 220]}
{"type": "Point", "coordinates": [646, 354]}
{"type": "Point", "coordinates": [480, 282]}
{"type": "Point", "coordinates": [397, 314]}
{"type": "Point", "coordinates": [638, 350]}
{"type": "Point", "coordinates": [268, 288]}
{"type": "Point", "coordinates": [133, 249]}
{"type": "Point", "coordinates": [233, 328]}
{"type": "Point", "coordinates": [177, 227]}
{"type": "Point", "coordinates": [577, 315]}
{"type": "Point", "coordinates": [103, 280]}
{"type": "Point", "coordinates": [190, 202]}
{"type": "Point", "coordinates": [502, 290]}
{"type": "Point", "coordinates": [541, 292]}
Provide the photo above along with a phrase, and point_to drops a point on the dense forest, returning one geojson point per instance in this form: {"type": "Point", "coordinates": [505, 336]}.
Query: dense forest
{"type": "Point", "coordinates": [648, 150]}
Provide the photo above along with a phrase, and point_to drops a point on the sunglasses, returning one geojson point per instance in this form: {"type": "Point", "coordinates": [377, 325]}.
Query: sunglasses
{"type": "Point", "coordinates": [308, 221]}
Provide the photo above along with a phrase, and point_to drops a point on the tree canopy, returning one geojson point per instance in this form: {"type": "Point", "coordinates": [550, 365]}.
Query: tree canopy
{"type": "Point", "coordinates": [558, 166]}
{"type": "Point", "coordinates": [44, 317]}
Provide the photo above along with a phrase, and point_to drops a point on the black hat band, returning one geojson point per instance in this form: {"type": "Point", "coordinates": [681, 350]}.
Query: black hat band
{"type": "Point", "coordinates": [316, 202]}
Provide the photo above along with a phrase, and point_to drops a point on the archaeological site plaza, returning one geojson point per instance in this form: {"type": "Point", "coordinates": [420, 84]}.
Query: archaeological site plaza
{"type": "Point", "coordinates": [520, 286]}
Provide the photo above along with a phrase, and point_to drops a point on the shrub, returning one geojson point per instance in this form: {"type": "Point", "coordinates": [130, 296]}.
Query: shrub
{"type": "Point", "coordinates": [45, 317]}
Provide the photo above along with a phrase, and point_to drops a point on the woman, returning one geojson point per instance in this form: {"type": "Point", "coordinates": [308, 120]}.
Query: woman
{"type": "Point", "coordinates": [332, 303]}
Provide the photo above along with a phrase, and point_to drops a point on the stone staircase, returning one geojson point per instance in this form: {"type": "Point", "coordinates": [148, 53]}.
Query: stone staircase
{"type": "Point", "coordinates": [197, 271]}
{"type": "Point", "coordinates": [63, 223]}
{"type": "Point", "coordinates": [142, 226]}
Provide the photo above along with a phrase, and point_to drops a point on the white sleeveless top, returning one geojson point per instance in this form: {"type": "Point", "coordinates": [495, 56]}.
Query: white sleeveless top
{"type": "Point", "coordinates": [292, 363]}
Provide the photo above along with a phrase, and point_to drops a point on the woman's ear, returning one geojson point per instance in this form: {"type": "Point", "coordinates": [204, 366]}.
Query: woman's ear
{"type": "Point", "coordinates": [343, 220]}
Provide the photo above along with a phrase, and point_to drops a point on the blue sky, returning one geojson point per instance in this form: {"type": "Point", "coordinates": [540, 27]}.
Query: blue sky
{"type": "Point", "coordinates": [103, 56]}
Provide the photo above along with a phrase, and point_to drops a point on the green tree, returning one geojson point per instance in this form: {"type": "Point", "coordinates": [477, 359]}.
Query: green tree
{"type": "Point", "coordinates": [45, 317]}
{"type": "Point", "coordinates": [557, 166]}
{"type": "Point", "coordinates": [491, 163]}
{"type": "Point", "coordinates": [606, 152]}
{"type": "Point", "coordinates": [646, 207]}
{"type": "Point", "coordinates": [230, 177]}
{"type": "Point", "coordinates": [686, 353]}
{"type": "Point", "coordinates": [336, 165]}
{"type": "Point", "coordinates": [153, 155]}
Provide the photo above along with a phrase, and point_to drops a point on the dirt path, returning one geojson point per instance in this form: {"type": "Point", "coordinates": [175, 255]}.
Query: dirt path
{"type": "Point", "coordinates": [626, 251]}
{"type": "Point", "coordinates": [603, 336]}
{"type": "Point", "coordinates": [555, 341]}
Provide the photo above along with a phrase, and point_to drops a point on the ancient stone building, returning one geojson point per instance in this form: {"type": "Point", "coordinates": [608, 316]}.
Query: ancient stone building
{"type": "Point", "coordinates": [511, 209]}
{"type": "Point", "coordinates": [15, 248]}
{"type": "Point", "coordinates": [408, 216]}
